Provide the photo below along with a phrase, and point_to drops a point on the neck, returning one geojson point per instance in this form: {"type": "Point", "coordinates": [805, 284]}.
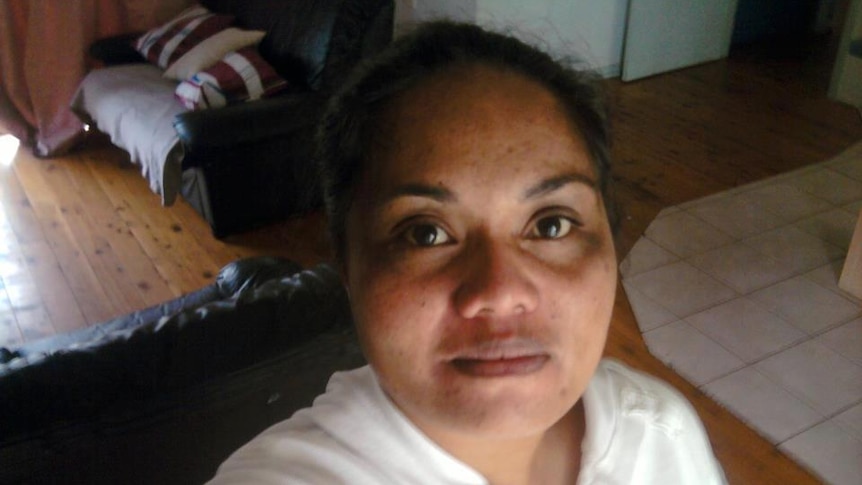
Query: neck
{"type": "Point", "coordinates": [550, 457]}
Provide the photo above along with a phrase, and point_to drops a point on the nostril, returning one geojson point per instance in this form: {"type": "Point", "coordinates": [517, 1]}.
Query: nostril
{"type": "Point", "coordinates": [504, 298]}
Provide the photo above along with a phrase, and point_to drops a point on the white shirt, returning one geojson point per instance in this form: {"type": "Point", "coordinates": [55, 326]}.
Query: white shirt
{"type": "Point", "coordinates": [639, 430]}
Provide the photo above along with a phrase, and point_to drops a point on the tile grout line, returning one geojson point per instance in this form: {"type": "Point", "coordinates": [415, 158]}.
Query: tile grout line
{"type": "Point", "coordinates": [813, 275]}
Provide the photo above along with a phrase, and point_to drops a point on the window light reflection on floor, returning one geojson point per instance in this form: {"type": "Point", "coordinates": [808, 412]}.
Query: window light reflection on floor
{"type": "Point", "coordinates": [8, 148]}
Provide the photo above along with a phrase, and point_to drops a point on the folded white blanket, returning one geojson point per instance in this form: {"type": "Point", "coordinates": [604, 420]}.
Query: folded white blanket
{"type": "Point", "coordinates": [134, 104]}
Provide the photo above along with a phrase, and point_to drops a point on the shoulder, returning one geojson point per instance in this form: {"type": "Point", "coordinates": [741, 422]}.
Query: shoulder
{"type": "Point", "coordinates": [302, 449]}
{"type": "Point", "coordinates": [642, 430]}
{"type": "Point", "coordinates": [290, 454]}
{"type": "Point", "coordinates": [351, 434]}
{"type": "Point", "coordinates": [640, 396]}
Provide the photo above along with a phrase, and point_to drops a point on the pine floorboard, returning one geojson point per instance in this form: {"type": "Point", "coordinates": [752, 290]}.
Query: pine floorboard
{"type": "Point", "coordinates": [82, 239]}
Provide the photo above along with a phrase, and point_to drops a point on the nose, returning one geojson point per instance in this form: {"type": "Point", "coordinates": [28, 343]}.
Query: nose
{"type": "Point", "coordinates": [495, 282]}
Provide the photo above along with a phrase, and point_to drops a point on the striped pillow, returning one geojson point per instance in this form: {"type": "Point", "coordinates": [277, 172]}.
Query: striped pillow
{"type": "Point", "coordinates": [240, 76]}
{"type": "Point", "coordinates": [211, 51]}
{"type": "Point", "coordinates": [165, 44]}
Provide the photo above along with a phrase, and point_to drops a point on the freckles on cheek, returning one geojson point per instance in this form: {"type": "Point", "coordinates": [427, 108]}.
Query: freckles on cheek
{"type": "Point", "coordinates": [395, 307]}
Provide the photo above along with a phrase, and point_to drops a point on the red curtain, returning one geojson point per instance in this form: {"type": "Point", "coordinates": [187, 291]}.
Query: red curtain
{"type": "Point", "coordinates": [43, 46]}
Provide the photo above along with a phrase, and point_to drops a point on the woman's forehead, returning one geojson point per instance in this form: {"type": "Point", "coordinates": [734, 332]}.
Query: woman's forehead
{"type": "Point", "coordinates": [466, 118]}
{"type": "Point", "coordinates": [481, 90]}
{"type": "Point", "coordinates": [474, 137]}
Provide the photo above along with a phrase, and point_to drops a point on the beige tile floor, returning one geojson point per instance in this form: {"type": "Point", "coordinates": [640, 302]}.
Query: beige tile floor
{"type": "Point", "coordinates": [738, 292]}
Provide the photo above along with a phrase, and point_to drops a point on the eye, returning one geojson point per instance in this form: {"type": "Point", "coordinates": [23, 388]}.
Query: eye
{"type": "Point", "coordinates": [427, 235]}
{"type": "Point", "coordinates": [553, 227]}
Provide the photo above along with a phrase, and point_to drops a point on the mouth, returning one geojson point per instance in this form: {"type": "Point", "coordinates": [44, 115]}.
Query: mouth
{"type": "Point", "coordinates": [501, 359]}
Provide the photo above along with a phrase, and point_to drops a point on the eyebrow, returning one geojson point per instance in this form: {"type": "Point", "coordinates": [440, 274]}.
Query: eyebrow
{"type": "Point", "coordinates": [554, 183]}
{"type": "Point", "coordinates": [434, 192]}
{"type": "Point", "coordinates": [442, 194]}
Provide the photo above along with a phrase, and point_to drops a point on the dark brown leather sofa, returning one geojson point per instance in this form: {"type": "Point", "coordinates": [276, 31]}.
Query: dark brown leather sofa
{"type": "Point", "coordinates": [250, 164]}
{"type": "Point", "coordinates": [164, 395]}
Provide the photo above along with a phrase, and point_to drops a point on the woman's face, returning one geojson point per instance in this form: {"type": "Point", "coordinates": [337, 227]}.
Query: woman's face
{"type": "Point", "coordinates": [479, 261]}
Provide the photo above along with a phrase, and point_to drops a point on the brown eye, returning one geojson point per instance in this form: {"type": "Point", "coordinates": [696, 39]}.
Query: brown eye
{"type": "Point", "coordinates": [427, 235]}
{"type": "Point", "coordinates": [552, 227]}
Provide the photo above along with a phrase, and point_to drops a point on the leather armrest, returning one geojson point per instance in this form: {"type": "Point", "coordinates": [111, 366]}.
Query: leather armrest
{"type": "Point", "coordinates": [117, 49]}
{"type": "Point", "coordinates": [189, 348]}
{"type": "Point", "coordinates": [246, 274]}
{"type": "Point", "coordinates": [251, 273]}
{"type": "Point", "coordinates": [248, 122]}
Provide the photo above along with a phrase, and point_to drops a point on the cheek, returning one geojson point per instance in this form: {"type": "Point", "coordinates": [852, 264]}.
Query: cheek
{"type": "Point", "coordinates": [587, 302]}
{"type": "Point", "coordinates": [584, 312]}
{"type": "Point", "coordinates": [395, 316]}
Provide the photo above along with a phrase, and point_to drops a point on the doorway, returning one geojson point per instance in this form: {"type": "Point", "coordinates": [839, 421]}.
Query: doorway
{"type": "Point", "coordinates": [664, 35]}
{"type": "Point", "coordinates": [806, 33]}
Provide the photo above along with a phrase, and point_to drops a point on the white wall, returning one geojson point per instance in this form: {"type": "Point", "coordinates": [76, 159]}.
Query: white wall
{"type": "Point", "coordinates": [411, 12]}
{"type": "Point", "coordinates": [665, 35]}
{"type": "Point", "coordinates": [588, 29]}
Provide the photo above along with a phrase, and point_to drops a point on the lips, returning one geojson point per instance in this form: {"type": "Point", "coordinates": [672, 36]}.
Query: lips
{"type": "Point", "coordinates": [503, 358]}
{"type": "Point", "coordinates": [500, 367]}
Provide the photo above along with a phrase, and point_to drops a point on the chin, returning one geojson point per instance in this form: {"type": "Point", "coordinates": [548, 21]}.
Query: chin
{"type": "Point", "coordinates": [508, 413]}
{"type": "Point", "coordinates": [508, 423]}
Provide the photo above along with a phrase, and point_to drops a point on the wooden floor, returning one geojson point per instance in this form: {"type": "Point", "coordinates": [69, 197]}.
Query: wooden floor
{"type": "Point", "coordinates": [83, 240]}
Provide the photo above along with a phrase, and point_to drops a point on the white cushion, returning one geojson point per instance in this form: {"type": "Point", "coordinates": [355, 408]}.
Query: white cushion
{"type": "Point", "coordinates": [211, 50]}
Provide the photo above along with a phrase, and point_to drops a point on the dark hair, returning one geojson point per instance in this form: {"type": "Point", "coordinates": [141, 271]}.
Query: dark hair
{"type": "Point", "coordinates": [350, 120]}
